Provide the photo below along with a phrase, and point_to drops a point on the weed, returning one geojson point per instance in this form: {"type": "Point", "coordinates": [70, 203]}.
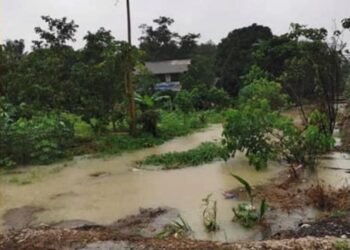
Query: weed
{"type": "Point", "coordinates": [341, 245]}
{"type": "Point", "coordinates": [177, 229]}
{"type": "Point", "coordinates": [338, 214]}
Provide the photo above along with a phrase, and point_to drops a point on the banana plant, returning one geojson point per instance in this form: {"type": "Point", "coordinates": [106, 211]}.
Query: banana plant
{"type": "Point", "coordinates": [150, 115]}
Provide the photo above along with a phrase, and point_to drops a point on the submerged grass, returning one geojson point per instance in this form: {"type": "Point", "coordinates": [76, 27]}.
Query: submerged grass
{"type": "Point", "coordinates": [204, 153]}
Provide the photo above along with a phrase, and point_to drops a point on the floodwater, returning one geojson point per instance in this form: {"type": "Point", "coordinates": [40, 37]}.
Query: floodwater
{"type": "Point", "coordinates": [334, 168]}
{"type": "Point", "coordinates": [70, 192]}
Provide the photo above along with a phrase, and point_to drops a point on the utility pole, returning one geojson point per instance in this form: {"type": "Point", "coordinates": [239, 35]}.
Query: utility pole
{"type": "Point", "coordinates": [129, 84]}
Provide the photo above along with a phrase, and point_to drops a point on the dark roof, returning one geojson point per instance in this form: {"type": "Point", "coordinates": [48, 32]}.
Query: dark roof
{"type": "Point", "coordinates": [168, 67]}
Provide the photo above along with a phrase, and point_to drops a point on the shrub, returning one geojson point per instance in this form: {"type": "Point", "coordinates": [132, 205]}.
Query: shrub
{"type": "Point", "coordinates": [263, 89]}
{"type": "Point", "coordinates": [42, 139]}
{"type": "Point", "coordinates": [204, 98]}
{"type": "Point", "coordinates": [183, 101]}
{"type": "Point", "coordinates": [252, 129]}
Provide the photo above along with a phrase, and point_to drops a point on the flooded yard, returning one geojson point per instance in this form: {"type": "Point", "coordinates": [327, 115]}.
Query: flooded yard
{"type": "Point", "coordinates": [105, 190]}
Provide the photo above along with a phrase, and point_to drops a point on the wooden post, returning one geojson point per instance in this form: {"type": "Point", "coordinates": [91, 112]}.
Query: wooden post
{"type": "Point", "coordinates": [129, 84]}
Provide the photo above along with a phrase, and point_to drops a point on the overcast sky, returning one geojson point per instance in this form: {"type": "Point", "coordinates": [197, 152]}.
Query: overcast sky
{"type": "Point", "coordinates": [213, 19]}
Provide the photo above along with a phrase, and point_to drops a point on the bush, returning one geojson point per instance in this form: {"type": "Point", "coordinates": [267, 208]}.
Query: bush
{"type": "Point", "coordinates": [206, 152]}
{"type": "Point", "coordinates": [42, 139]}
{"type": "Point", "coordinates": [213, 98]}
{"type": "Point", "coordinates": [252, 129]}
{"type": "Point", "coordinates": [263, 89]}
{"type": "Point", "coordinates": [202, 99]}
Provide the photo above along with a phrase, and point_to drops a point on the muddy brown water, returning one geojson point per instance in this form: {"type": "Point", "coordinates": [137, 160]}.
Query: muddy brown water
{"type": "Point", "coordinates": [104, 190]}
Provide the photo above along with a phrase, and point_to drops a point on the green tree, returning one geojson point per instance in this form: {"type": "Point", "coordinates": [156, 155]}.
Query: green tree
{"type": "Point", "coordinates": [201, 73]}
{"type": "Point", "coordinates": [234, 55]}
{"type": "Point", "coordinates": [59, 32]}
{"type": "Point", "coordinates": [161, 43]}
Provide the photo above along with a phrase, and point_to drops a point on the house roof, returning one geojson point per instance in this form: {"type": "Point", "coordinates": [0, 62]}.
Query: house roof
{"type": "Point", "coordinates": [168, 67]}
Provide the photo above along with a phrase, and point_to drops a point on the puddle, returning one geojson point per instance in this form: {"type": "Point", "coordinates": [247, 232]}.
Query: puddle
{"type": "Point", "coordinates": [104, 199]}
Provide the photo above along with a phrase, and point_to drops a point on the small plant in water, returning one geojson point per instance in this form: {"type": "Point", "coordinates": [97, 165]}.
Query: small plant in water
{"type": "Point", "coordinates": [246, 213]}
{"type": "Point", "coordinates": [176, 229]}
{"type": "Point", "coordinates": [210, 214]}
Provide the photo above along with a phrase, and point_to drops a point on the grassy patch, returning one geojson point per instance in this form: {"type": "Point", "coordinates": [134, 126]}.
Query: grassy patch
{"type": "Point", "coordinates": [172, 124]}
{"type": "Point", "coordinates": [204, 153]}
{"type": "Point", "coordinates": [116, 144]}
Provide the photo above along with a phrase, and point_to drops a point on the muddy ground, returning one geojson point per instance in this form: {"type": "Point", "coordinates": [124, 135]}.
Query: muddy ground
{"type": "Point", "coordinates": [108, 239]}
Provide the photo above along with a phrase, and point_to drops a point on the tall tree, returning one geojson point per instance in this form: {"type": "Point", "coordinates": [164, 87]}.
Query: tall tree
{"type": "Point", "coordinates": [160, 43]}
{"type": "Point", "coordinates": [234, 55]}
{"type": "Point", "coordinates": [59, 32]}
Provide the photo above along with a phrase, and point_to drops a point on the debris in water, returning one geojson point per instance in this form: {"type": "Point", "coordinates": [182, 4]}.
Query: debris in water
{"type": "Point", "coordinates": [229, 195]}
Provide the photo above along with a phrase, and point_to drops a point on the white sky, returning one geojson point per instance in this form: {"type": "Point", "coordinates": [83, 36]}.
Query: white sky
{"type": "Point", "coordinates": [213, 19]}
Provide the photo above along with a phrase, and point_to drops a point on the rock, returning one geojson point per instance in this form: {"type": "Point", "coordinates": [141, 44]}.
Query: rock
{"type": "Point", "coordinates": [344, 236]}
{"type": "Point", "coordinates": [305, 226]}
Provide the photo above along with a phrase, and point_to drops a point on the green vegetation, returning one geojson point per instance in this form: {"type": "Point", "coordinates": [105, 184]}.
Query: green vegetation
{"type": "Point", "coordinates": [264, 134]}
{"type": "Point", "coordinates": [177, 229]}
{"type": "Point", "coordinates": [42, 139]}
{"type": "Point", "coordinates": [246, 213]}
{"type": "Point", "coordinates": [56, 101]}
{"type": "Point", "coordinates": [204, 153]}
{"type": "Point", "coordinates": [210, 214]}
{"type": "Point", "coordinates": [341, 245]}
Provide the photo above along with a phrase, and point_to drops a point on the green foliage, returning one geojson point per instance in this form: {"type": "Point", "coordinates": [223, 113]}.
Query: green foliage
{"type": "Point", "coordinates": [246, 186]}
{"type": "Point", "coordinates": [204, 153]}
{"type": "Point", "coordinates": [263, 89]}
{"type": "Point", "coordinates": [314, 143]}
{"type": "Point", "coordinates": [209, 214]}
{"type": "Point", "coordinates": [341, 245]}
{"type": "Point", "coordinates": [339, 214]}
{"type": "Point", "coordinates": [209, 98]}
{"type": "Point", "coordinates": [252, 129]}
{"type": "Point", "coordinates": [201, 73]}
{"type": "Point", "coordinates": [264, 134]}
{"type": "Point", "coordinates": [58, 34]}
{"type": "Point", "coordinates": [177, 229]}
{"type": "Point", "coordinates": [245, 213]}
{"type": "Point", "coordinates": [145, 80]}
{"type": "Point", "coordinates": [234, 56]}
{"type": "Point", "coordinates": [255, 73]}
{"type": "Point", "coordinates": [202, 99]}
{"type": "Point", "coordinates": [170, 125]}
{"type": "Point", "coordinates": [42, 139]}
{"type": "Point", "coordinates": [161, 43]}
{"type": "Point", "coordinates": [117, 144]}
{"type": "Point", "coordinates": [183, 101]}
{"type": "Point", "coordinates": [150, 115]}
